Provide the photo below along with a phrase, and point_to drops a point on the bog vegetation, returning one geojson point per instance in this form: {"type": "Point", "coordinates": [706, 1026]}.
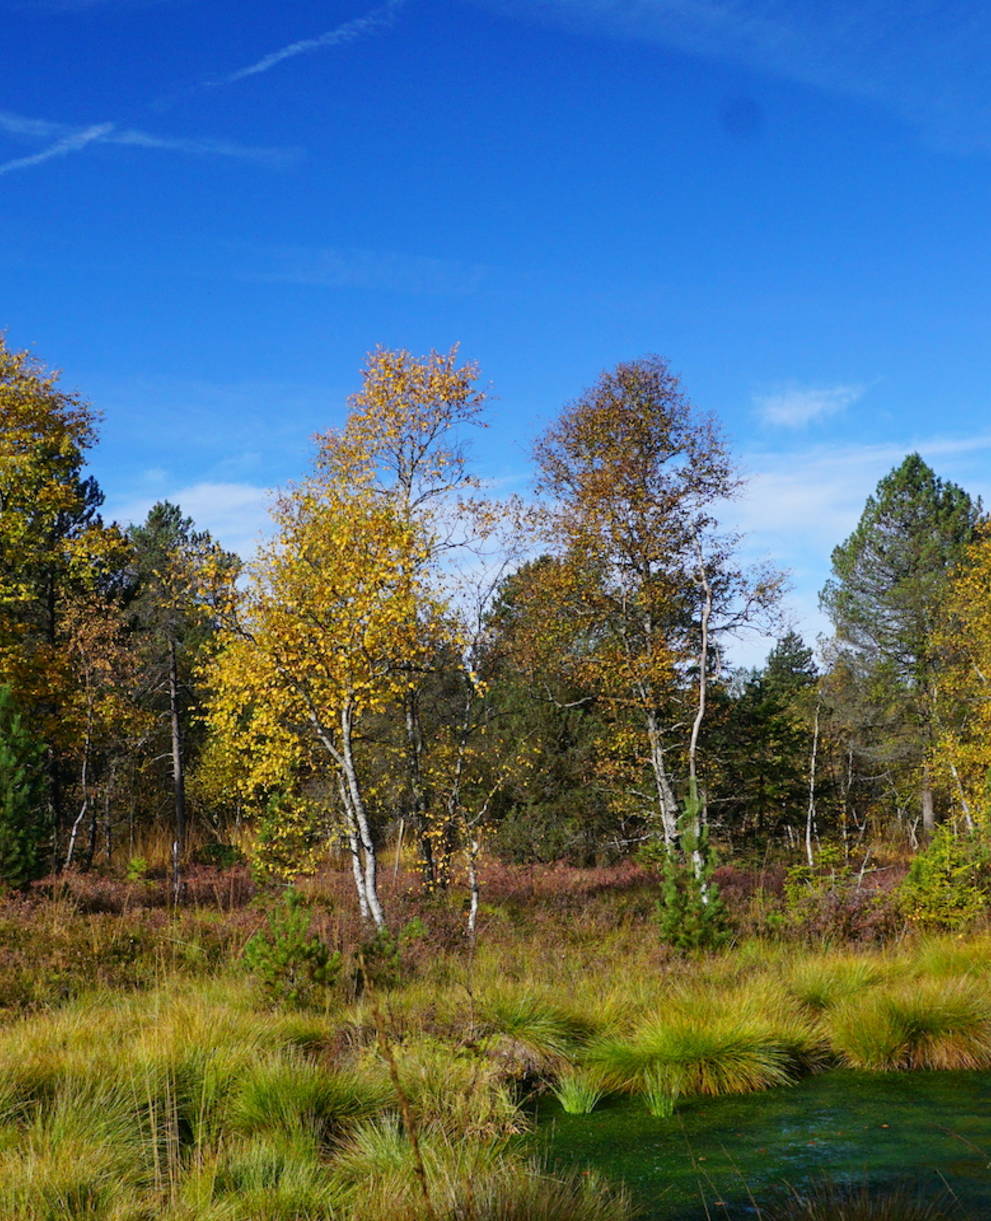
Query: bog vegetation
{"type": "Point", "coordinates": [316, 863]}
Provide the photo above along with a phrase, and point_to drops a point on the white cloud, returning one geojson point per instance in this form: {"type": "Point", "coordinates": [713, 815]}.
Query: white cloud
{"type": "Point", "coordinates": [61, 148]}
{"type": "Point", "coordinates": [798, 505]}
{"type": "Point", "coordinates": [796, 406]}
{"type": "Point", "coordinates": [69, 139]}
{"type": "Point", "coordinates": [377, 19]}
{"type": "Point", "coordinates": [236, 514]}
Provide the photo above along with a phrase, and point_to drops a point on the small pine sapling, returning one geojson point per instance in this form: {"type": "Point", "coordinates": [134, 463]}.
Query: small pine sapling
{"type": "Point", "coordinates": [292, 965]}
{"type": "Point", "coordinates": [691, 916]}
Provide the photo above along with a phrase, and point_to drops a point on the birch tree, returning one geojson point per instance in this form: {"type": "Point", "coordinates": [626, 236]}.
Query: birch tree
{"type": "Point", "coordinates": [325, 638]}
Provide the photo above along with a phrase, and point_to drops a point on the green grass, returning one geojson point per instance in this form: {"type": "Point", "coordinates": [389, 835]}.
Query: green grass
{"type": "Point", "coordinates": [289, 1095]}
{"type": "Point", "coordinates": [579, 1091]}
{"type": "Point", "coordinates": [924, 1024]}
{"type": "Point", "coordinates": [189, 1101]}
{"type": "Point", "coordinates": [679, 1055]}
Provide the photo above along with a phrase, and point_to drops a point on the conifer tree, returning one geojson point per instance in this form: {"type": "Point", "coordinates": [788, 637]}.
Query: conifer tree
{"type": "Point", "coordinates": [24, 815]}
{"type": "Point", "coordinates": [884, 598]}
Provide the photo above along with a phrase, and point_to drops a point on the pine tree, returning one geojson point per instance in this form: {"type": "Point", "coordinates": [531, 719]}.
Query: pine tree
{"type": "Point", "coordinates": [24, 821]}
{"type": "Point", "coordinates": [889, 579]}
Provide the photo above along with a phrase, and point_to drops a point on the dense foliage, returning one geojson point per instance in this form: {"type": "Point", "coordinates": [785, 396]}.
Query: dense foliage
{"type": "Point", "coordinates": [411, 662]}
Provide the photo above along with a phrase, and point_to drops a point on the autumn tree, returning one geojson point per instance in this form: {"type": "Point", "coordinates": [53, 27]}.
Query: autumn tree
{"type": "Point", "coordinates": [889, 579]}
{"type": "Point", "coordinates": [963, 685]}
{"type": "Point", "coordinates": [54, 547]}
{"type": "Point", "coordinates": [104, 706]}
{"type": "Point", "coordinates": [326, 638]}
{"type": "Point", "coordinates": [403, 442]}
{"type": "Point", "coordinates": [632, 475]}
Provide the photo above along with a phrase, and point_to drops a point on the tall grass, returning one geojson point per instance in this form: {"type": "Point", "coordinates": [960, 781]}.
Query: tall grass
{"type": "Point", "coordinates": [925, 1024]}
{"type": "Point", "coordinates": [186, 1101]}
{"type": "Point", "coordinates": [579, 1091]}
{"type": "Point", "coordinates": [683, 1054]}
{"type": "Point", "coordinates": [289, 1095]}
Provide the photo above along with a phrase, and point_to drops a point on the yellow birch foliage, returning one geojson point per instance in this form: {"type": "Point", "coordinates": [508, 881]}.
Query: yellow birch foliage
{"type": "Point", "coordinates": [53, 546]}
{"type": "Point", "coordinates": [327, 629]}
{"type": "Point", "coordinates": [402, 429]}
{"type": "Point", "coordinates": [963, 748]}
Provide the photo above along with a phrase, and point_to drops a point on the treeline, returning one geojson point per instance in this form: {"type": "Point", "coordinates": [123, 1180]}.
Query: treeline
{"type": "Point", "coordinates": [409, 658]}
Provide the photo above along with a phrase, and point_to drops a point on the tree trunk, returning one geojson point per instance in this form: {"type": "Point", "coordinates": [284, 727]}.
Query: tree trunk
{"type": "Point", "coordinates": [414, 751]}
{"type": "Point", "coordinates": [354, 847]}
{"type": "Point", "coordinates": [697, 815]}
{"type": "Point", "coordinates": [810, 814]}
{"type": "Point", "coordinates": [665, 794]}
{"type": "Point", "coordinates": [928, 810]}
{"type": "Point", "coordinates": [473, 887]}
{"type": "Point", "coordinates": [178, 775]}
{"type": "Point", "coordinates": [357, 805]}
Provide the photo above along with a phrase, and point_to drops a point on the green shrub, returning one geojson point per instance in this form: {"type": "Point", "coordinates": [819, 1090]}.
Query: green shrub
{"type": "Point", "coordinates": [949, 882]}
{"type": "Point", "coordinates": [293, 965]}
{"type": "Point", "coordinates": [381, 957]}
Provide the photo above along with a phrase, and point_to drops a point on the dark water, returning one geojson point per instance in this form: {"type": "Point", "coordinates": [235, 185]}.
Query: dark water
{"type": "Point", "coordinates": [723, 1157]}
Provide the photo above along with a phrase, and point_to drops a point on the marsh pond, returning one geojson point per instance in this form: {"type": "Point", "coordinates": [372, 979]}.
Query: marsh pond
{"type": "Point", "coordinates": [926, 1134]}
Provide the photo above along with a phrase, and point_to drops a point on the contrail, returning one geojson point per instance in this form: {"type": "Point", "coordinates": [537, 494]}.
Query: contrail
{"type": "Point", "coordinates": [40, 129]}
{"type": "Point", "coordinates": [68, 144]}
{"type": "Point", "coordinates": [377, 19]}
{"type": "Point", "coordinates": [71, 139]}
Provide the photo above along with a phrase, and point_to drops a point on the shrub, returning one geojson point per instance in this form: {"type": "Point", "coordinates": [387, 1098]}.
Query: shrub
{"type": "Point", "coordinates": [830, 903]}
{"type": "Point", "coordinates": [949, 881]}
{"type": "Point", "coordinates": [381, 958]}
{"type": "Point", "coordinates": [293, 965]}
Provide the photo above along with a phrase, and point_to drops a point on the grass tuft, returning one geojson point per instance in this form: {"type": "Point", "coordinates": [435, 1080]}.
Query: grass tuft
{"type": "Point", "coordinates": [928, 1024]}
{"type": "Point", "coordinates": [290, 1095]}
{"type": "Point", "coordinates": [579, 1091]}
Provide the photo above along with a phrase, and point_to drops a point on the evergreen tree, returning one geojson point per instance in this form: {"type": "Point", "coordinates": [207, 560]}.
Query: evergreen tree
{"type": "Point", "coordinates": [889, 578]}
{"type": "Point", "coordinates": [761, 739]}
{"type": "Point", "coordinates": [180, 580]}
{"type": "Point", "coordinates": [24, 821]}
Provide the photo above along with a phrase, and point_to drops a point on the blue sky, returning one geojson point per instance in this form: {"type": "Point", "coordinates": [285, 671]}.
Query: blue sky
{"type": "Point", "coordinates": [211, 210]}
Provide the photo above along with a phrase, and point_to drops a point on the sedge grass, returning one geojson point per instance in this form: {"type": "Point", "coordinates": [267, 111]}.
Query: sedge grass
{"type": "Point", "coordinates": [579, 1091]}
{"type": "Point", "coordinates": [684, 1055]}
{"type": "Point", "coordinates": [925, 1024]}
{"type": "Point", "coordinates": [289, 1095]}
